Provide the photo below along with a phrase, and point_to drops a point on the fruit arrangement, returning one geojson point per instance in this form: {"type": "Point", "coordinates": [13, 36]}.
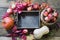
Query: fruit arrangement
{"type": "Point", "coordinates": [49, 16]}
{"type": "Point", "coordinates": [18, 7]}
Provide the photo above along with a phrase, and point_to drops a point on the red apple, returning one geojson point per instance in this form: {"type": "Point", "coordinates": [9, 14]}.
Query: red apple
{"type": "Point", "coordinates": [54, 19]}
{"type": "Point", "coordinates": [49, 9]}
{"type": "Point", "coordinates": [29, 8]}
{"type": "Point", "coordinates": [50, 16]}
{"type": "Point", "coordinates": [25, 31]}
{"type": "Point", "coordinates": [55, 14]}
{"type": "Point", "coordinates": [9, 11]}
{"type": "Point", "coordinates": [8, 23]}
{"type": "Point", "coordinates": [24, 4]}
{"type": "Point", "coordinates": [47, 19]}
{"type": "Point", "coordinates": [36, 6]}
{"type": "Point", "coordinates": [45, 13]}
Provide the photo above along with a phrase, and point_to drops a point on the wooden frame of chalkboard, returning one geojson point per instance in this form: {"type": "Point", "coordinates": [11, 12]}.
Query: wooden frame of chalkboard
{"type": "Point", "coordinates": [28, 19]}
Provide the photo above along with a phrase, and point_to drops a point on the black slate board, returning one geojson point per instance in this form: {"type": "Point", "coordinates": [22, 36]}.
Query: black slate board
{"type": "Point", "coordinates": [28, 19]}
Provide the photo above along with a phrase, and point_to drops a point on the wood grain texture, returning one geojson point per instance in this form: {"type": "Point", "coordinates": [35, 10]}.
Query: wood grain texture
{"type": "Point", "coordinates": [54, 3]}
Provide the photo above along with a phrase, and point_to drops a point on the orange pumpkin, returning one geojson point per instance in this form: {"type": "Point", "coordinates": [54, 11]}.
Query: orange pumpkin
{"type": "Point", "coordinates": [8, 23]}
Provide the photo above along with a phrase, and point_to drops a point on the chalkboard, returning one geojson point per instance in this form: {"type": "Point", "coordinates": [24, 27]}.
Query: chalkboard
{"type": "Point", "coordinates": [29, 19]}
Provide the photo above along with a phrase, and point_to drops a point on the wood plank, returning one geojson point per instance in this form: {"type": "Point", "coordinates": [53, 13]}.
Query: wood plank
{"type": "Point", "coordinates": [5, 38]}
{"type": "Point", "coordinates": [54, 3]}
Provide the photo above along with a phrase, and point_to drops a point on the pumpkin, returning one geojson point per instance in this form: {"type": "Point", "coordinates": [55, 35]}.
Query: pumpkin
{"type": "Point", "coordinates": [38, 33]}
{"type": "Point", "coordinates": [8, 23]}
